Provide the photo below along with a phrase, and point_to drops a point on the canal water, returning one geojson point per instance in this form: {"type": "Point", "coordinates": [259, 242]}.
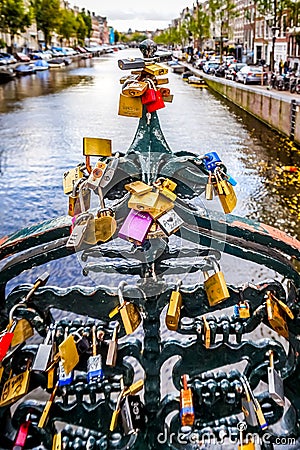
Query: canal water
{"type": "Point", "coordinates": [43, 119]}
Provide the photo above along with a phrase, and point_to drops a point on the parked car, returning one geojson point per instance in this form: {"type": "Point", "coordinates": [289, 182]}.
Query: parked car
{"type": "Point", "coordinates": [199, 63]}
{"type": "Point", "coordinates": [10, 59]}
{"type": "Point", "coordinates": [232, 70]}
{"type": "Point", "coordinates": [210, 67]}
{"type": "Point", "coordinates": [250, 74]}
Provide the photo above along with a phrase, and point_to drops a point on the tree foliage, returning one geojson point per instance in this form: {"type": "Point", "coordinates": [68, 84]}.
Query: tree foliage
{"type": "Point", "coordinates": [48, 16]}
{"type": "Point", "coordinates": [14, 17]}
{"type": "Point", "coordinates": [68, 24]}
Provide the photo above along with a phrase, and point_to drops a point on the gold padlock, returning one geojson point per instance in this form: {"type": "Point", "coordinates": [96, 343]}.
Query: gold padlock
{"type": "Point", "coordinates": [228, 201]}
{"type": "Point", "coordinates": [101, 228]}
{"type": "Point", "coordinates": [22, 331]}
{"type": "Point", "coordinates": [130, 314]}
{"type": "Point", "coordinates": [138, 187]}
{"type": "Point", "coordinates": [173, 312]}
{"type": "Point", "coordinates": [70, 177]}
{"type": "Point", "coordinates": [130, 106]}
{"type": "Point", "coordinates": [247, 446]}
{"type": "Point", "coordinates": [97, 147]}
{"type": "Point", "coordinates": [145, 202]}
{"type": "Point", "coordinates": [160, 81]}
{"type": "Point", "coordinates": [134, 88]}
{"type": "Point", "coordinates": [207, 333]}
{"type": "Point", "coordinates": [168, 99]}
{"type": "Point", "coordinates": [80, 199]}
{"type": "Point", "coordinates": [155, 69]}
{"type": "Point", "coordinates": [166, 188]}
{"type": "Point", "coordinates": [162, 206]}
{"type": "Point", "coordinates": [215, 285]}
{"type": "Point", "coordinates": [15, 388]}
{"type": "Point", "coordinates": [276, 316]}
{"type": "Point", "coordinates": [68, 354]}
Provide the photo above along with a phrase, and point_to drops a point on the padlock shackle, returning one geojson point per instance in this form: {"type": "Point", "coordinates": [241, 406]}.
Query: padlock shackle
{"type": "Point", "coordinates": [120, 292]}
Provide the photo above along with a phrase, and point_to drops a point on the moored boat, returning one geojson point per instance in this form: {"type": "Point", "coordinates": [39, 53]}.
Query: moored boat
{"type": "Point", "coordinates": [6, 74]}
{"type": "Point", "coordinates": [196, 81]}
{"type": "Point", "coordinates": [25, 69]}
{"type": "Point", "coordinates": [41, 65]}
{"type": "Point", "coordinates": [57, 63]}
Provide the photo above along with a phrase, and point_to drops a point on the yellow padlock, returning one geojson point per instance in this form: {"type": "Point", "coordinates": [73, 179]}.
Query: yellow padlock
{"type": "Point", "coordinates": [215, 285]}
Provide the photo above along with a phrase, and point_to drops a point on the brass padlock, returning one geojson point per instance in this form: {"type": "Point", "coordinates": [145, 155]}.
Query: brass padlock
{"type": "Point", "coordinates": [168, 99]}
{"type": "Point", "coordinates": [130, 314]}
{"type": "Point", "coordinates": [134, 88]}
{"type": "Point", "coordinates": [97, 147]}
{"type": "Point", "coordinates": [138, 187]}
{"type": "Point", "coordinates": [80, 199]}
{"type": "Point", "coordinates": [166, 188]}
{"type": "Point", "coordinates": [206, 333]}
{"type": "Point", "coordinates": [215, 285]}
{"type": "Point", "coordinates": [71, 176]}
{"type": "Point", "coordinates": [130, 106]}
{"type": "Point", "coordinates": [15, 388]}
{"type": "Point", "coordinates": [162, 206]}
{"type": "Point", "coordinates": [249, 445]}
{"type": "Point", "coordinates": [68, 354]}
{"type": "Point", "coordinates": [229, 201]}
{"type": "Point", "coordinates": [276, 316]}
{"type": "Point", "coordinates": [209, 195]}
{"type": "Point", "coordinates": [155, 69]}
{"type": "Point", "coordinates": [160, 81]}
{"type": "Point", "coordinates": [145, 202]}
{"type": "Point", "coordinates": [173, 312]}
{"type": "Point", "coordinates": [22, 331]}
{"type": "Point", "coordinates": [101, 228]}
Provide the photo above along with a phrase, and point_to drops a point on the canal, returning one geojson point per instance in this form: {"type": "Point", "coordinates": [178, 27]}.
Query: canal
{"type": "Point", "coordinates": [43, 119]}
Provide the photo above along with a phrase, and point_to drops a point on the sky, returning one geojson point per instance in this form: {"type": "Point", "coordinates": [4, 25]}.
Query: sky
{"type": "Point", "coordinates": [136, 14]}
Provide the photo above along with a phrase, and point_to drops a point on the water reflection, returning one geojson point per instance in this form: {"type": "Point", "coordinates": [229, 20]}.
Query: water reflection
{"type": "Point", "coordinates": [44, 118]}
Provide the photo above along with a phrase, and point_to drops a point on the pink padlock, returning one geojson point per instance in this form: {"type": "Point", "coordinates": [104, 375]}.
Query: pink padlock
{"type": "Point", "coordinates": [22, 436]}
{"type": "Point", "coordinates": [136, 226]}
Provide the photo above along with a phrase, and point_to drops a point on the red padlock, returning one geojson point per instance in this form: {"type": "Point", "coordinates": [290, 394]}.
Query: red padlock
{"type": "Point", "coordinates": [157, 104]}
{"type": "Point", "coordinates": [150, 95]}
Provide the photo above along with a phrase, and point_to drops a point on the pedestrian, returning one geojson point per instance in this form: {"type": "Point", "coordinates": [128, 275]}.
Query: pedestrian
{"type": "Point", "coordinates": [285, 67]}
{"type": "Point", "coordinates": [280, 66]}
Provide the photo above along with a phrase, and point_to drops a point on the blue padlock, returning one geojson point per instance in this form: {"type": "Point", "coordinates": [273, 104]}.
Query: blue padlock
{"type": "Point", "coordinates": [210, 161]}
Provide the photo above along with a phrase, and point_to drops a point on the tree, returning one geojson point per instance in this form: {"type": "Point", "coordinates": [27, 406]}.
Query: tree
{"type": "Point", "coordinates": [117, 36]}
{"type": "Point", "coordinates": [222, 12]}
{"type": "Point", "coordinates": [47, 14]}
{"type": "Point", "coordinates": [14, 18]}
{"type": "Point", "coordinates": [81, 29]}
{"type": "Point", "coordinates": [199, 25]}
{"type": "Point", "coordinates": [88, 23]}
{"type": "Point", "coordinates": [68, 25]}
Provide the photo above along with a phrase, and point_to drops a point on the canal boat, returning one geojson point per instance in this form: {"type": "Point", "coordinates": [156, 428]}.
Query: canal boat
{"type": "Point", "coordinates": [56, 63]}
{"type": "Point", "coordinates": [197, 81]}
{"type": "Point", "coordinates": [177, 337]}
{"type": "Point", "coordinates": [41, 65]}
{"type": "Point", "coordinates": [6, 74]}
{"type": "Point", "coordinates": [25, 69]}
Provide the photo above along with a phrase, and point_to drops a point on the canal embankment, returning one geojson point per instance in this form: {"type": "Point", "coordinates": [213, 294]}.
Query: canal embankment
{"type": "Point", "coordinates": [279, 110]}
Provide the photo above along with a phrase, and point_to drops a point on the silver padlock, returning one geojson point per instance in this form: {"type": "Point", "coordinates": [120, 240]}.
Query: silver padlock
{"type": "Point", "coordinates": [79, 230]}
{"type": "Point", "coordinates": [170, 222]}
{"type": "Point", "coordinates": [110, 171]}
{"type": "Point", "coordinates": [95, 177]}
{"type": "Point", "coordinates": [276, 389]}
{"type": "Point", "coordinates": [43, 353]}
